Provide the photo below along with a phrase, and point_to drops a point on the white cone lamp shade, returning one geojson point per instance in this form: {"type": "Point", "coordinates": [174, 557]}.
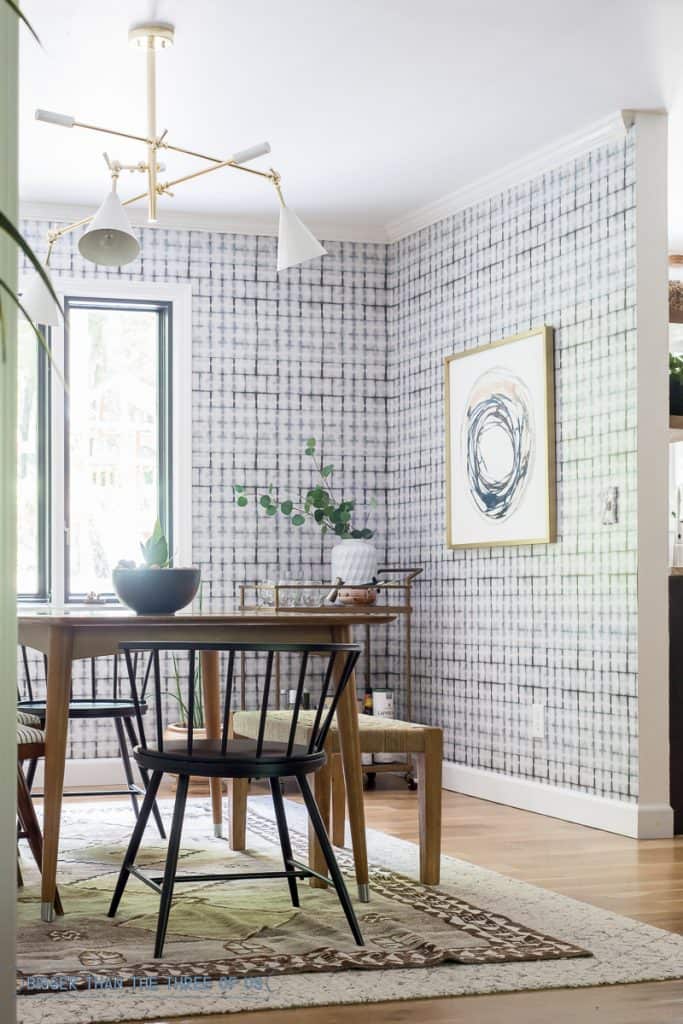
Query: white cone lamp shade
{"type": "Point", "coordinates": [109, 241]}
{"type": "Point", "coordinates": [295, 242]}
{"type": "Point", "coordinates": [39, 304]}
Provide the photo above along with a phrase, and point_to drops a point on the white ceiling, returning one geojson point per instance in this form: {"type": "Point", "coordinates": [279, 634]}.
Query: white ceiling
{"type": "Point", "coordinates": [372, 107]}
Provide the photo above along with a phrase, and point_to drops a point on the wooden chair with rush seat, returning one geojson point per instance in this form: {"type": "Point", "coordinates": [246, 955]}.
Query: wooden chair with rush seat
{"type": "Point", "coordinates": [377, 735]}
{"type": "Point", "coordinates": [30, 746]}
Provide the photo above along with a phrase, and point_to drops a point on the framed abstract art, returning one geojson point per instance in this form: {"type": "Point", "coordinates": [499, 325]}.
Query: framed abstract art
{"type": "Point", "coordinates": [500, 443]}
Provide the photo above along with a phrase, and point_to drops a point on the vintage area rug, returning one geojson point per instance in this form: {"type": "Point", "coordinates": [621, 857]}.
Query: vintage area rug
{"type": "Point", "coordinates": [239, 945]}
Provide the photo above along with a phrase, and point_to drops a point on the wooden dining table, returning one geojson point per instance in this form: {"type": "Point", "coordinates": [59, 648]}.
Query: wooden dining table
{"type": "Point", "coordinates": [66, 635]}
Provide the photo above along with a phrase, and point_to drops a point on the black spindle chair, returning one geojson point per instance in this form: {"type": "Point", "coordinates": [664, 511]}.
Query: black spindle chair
{"type": "Point", "coordinates": [228, 758]}
{"type": "Point", "coordinates": [119, 709]}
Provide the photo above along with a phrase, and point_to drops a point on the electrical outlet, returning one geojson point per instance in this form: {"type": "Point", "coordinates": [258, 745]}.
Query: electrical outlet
{"type": "Point", "coordinates": [537, 721]}
{"type": "Point", "coordinates": [610, 506]}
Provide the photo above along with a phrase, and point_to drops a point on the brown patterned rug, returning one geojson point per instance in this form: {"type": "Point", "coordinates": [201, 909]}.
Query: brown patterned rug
{"type": "Point", "coordinates": [237, 930]}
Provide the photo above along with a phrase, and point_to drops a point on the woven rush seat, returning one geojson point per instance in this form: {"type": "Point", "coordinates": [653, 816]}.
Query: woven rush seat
{"type": "Point", "coordinates": [378, 735]}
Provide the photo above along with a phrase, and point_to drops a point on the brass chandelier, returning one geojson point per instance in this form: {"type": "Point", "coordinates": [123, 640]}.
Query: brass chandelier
{"type": "Point", "coordinates": [109, 240]}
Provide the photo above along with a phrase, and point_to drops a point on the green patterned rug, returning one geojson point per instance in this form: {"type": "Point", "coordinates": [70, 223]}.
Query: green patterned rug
{"type": "Point", "coordinates": [242, 929]}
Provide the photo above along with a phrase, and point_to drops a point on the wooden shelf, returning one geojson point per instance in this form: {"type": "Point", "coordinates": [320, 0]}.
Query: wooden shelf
{"type": "Point", "coordinates": [675, 429]}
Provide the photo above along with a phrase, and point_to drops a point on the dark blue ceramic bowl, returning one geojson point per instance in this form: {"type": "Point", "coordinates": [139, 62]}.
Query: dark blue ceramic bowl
{"type": "Point", "coordinates": [156, 591]}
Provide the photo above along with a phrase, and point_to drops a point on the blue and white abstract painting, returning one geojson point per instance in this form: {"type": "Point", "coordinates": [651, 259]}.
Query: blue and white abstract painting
{"type": "Point", "coordinates": [500, 442]}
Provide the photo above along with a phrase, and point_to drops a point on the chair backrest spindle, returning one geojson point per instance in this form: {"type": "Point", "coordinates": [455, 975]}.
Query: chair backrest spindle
{"type": "Point", "coordinates": [341, 662]}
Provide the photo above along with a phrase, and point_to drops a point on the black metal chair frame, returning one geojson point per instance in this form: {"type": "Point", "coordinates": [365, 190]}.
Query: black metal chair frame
{"type": "Point", "coordinates": [119, 710]}
{"type": "Point", "coordinates": [230, 758]}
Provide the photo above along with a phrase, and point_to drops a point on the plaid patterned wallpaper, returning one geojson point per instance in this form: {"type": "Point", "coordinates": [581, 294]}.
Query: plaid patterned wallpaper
{"type": "Point", "coordinates": [276, 359]}
{"type": "Point", "coordinates": [499, 628]}
{"type": "Point", "coordinates": [351, 350]}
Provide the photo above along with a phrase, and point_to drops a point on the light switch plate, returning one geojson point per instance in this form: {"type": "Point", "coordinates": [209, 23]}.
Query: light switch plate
{"type": "Point", "coordinates": [537, 721]}
{"type": "Point", "coordinates": [610, 506]}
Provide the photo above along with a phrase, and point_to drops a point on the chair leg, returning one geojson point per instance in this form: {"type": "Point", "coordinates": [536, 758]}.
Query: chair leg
{"type": "Point", "coordinates": [328, 853]}
{"type": "Point", "coordinates": [144, 775]}
{"type": "Point", "coordinates": [135, 840]}
{"type": "Point", "coordinates": [31, 773]}
{"type": "Point", "coordinates": [125, 759]}
{"type": "Point", "coordinates": [281, 818]}
{"type": "Point", "coordinates": [171, 863]}
{"type": "Point", "coordinates": [29, 823]}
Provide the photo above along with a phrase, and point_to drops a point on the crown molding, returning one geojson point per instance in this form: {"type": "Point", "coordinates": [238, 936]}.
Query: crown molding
{"type": "Point", "coordinates": [530, 166]}
{"type": "Point", "coordinates": [67, 213]}
{"type": "Point", "coordinates": [564, 150]}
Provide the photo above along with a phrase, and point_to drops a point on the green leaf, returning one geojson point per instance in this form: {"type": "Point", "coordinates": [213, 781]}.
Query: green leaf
{"type": "Point", "coordinates": [319, 515]}
{"type": "Point", "coordinates": [311, 442]}
{"type": "Point", "coordinates": [286, 507]}
{"type": "Point", "coordinates": [298, 520]}
{"type": "Point", "coordinates": [340, 529]}
{"type": "Point", "coordinates": [326, 471]}
{"type": "Point", "coordinates": [238, 488]}
{"type": "Point", "coordinates": [367, 534]}
{"type": "Point", "coordinates": [14, 7]}
{"type": "Point", "coordinates": [242, 501]}
{"type": "Point", "coordinates": [265, 501]}
{"type": "Point", "coordinates": [271, 510]}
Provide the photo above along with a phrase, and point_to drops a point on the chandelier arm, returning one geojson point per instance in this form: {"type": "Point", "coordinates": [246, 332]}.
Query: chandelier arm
{"type": "Point", "coordinates": [272, 176]}
{"type": "Point", "coordinates": [112, 131]}
{"type": "Point", "coordinates": [217, 167]}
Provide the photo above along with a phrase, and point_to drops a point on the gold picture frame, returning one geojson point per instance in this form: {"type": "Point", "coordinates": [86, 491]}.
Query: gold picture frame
{"type": "Point", "coordinates": [519, 507]}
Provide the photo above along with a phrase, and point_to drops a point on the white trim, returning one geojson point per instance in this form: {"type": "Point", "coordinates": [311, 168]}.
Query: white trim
{"type": "Point", "coordinates": [540, 160]}
{"type": "Point", "coordinates": [95, 773]}
{"type": "Point", "coordinates": [639, 821]}
{"type": "Point", "coordinates": [180, 296]}
{"type": "Point", "coordinates": [652, 316]}
{"type": "Point", "coordinates": [68, 213]}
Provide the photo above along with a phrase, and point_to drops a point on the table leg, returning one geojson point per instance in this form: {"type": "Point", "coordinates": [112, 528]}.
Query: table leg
{"type": "Point", "coordinates": [349, 740]}
{"type": "Point", "coordinates": [338, 801]}
{"type": "Point", "coordinates": [212, 718]}
{"type": "Point", "coordinates": [60, 645]}
{"type": "Point", "coordinates": [429, 797]}
{"type": "Point", "coordinates": [321, 790]}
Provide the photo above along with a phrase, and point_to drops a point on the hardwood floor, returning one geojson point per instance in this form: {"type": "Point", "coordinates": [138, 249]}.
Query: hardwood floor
{"type": "Point", "coordinates": [643, 880]}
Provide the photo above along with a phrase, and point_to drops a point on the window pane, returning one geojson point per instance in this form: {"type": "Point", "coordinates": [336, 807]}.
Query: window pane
{"type": "Point", "coordinates": [28, 504]}
{"type": "Point", "coordinates": [112, 497]}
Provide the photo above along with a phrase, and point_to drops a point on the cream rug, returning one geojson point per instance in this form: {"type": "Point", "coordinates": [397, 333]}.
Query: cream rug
{"type": "Point", "coordinates": [235, 946]}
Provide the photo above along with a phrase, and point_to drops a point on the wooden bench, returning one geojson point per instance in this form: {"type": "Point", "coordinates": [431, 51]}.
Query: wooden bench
{"type": "Point", "coordinates": [377, 736]}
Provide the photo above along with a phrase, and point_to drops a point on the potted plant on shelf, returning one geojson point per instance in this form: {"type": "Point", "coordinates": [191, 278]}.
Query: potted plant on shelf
{"type": "Point", "coordinates": [675, 385]}
{"type": "Point", "coordinates": [155, 587]}
{"type": "Point", "coordinates": [354, 557]}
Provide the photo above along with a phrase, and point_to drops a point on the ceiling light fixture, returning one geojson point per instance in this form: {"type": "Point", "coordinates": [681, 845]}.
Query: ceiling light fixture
{"type": "Point", "coordinates": [109, 240]}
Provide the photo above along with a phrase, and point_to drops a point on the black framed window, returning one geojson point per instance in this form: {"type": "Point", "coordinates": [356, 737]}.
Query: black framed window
{"type": "Point", "coordinates": [87, 502]}
{"type": "Point", "coordinates": [33, 465]}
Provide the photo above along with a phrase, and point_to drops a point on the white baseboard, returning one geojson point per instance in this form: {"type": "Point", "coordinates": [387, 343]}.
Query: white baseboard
{"type": "Point", "coordinates": [95, 773]}
{"type": "Point", "coordinates": [639, 821]}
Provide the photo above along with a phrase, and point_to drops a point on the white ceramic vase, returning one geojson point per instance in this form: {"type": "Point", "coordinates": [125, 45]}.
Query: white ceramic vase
{"type": "Point", "coordinates": [354, 561]}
